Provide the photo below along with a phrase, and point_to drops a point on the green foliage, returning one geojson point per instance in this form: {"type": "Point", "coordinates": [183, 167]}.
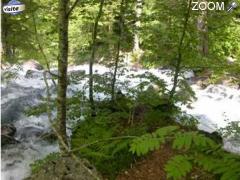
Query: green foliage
{"type": "Point", "coordinates": [185, 94]}
{"type": "Point", "coordinates": [149, 142]}
{"type": "Point", "coordinates": [36, 110]}
{"type": "Point", "coordinates": [38, 164]}
{"type": "Point", "coordinates": [146, 143]}
{"type": "Point", "coordinates": [187, 140]}
{"type": "Point", "coordinates": [223, 164]}
{"type": "Point", "coordinates": [178, 167]}
{"type": "Point", "coordinates": [195, 150]}
{"type": "Point", "coordinates": [232, 130]}
{"type": "Point", "coordinates": [109, 156]}
{"type": "Point", "coordinates": [188, 121]}
{"type": "Point", "coordinates": [7, 75]}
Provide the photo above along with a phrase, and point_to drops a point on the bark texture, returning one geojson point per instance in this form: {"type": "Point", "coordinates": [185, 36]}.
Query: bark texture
{"type": "Point", "coordinates": [62, 70]}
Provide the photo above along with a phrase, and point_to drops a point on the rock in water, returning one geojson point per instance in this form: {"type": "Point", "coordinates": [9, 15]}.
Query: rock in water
{"type": "Point", "coordinates": [7, 134]}
{"type": "Point", "coordinates": [29, 132]}
{"type": "Point", "coordinates": [215, 136]}
{"type": "Point", "coordinates": [8, 129]}
{"type": "Point", "coordinates": [33, 65]}
{"type": "Point", "coordinates": [33, 74]}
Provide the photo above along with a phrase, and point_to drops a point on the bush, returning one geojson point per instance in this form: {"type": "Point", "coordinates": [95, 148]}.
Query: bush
{"type": "Point", "coordinates": [108, 156]}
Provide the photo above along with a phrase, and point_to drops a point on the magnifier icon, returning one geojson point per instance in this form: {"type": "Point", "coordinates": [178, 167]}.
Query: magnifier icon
{"type": "Point", "coordinates": [232, 6]}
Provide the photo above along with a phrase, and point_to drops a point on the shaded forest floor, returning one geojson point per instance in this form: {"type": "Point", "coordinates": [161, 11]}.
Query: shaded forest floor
{"type": "Point", "coordinates": [152, 168]}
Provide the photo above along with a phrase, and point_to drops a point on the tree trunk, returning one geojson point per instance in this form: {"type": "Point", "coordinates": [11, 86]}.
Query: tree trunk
{"type": "Point", "coordinates": [62, 70]}
{"type": "Point", "coordinates": [120, 23]}
{"type": "Point", "coordinates": [203, 32]}
{"type": "Point", "coordinates": [179, 55]}
{"type": "Point", "coordinates": [136, 44]}
{"type": "Point", "coordinates": [41, 48]}
{"type": "Point", "coordinates": [6, 50]}
{"type": "Point", "coordinates": [92, 59]}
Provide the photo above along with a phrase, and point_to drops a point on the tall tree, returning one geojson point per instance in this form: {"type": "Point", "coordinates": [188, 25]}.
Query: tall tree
{"type": "Point", "coordinates": [64, 13]}
{"type": "Point", "coordinates": [180, 49]}
{"type": "Point", "coordinates": [92, 59]}
{"type": "Point", "coordinates": [203, 31]}
{"type": "Point", "coordinates": [120, 27]}
{"type": "Point", "coordinates": [62, 68]}
{"type": "Point", "coordinates": [136, 44]}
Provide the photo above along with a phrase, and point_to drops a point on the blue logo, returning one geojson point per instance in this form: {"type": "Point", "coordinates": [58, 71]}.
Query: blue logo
{"type": "Point", "coordinates": [13, 7]}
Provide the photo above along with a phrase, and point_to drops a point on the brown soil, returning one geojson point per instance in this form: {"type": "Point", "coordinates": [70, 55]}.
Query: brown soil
{"type": "Point", "coordinates": [150, 168]}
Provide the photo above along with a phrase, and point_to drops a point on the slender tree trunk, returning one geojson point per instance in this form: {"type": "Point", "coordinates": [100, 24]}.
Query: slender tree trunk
{"type": "Point", "coordinates": [136, 44]}
{"type": "Point", "coordinates": [120, 23]}
{"type": "Point", "coordinates": [203, 32]}
{"type": "Point", "coordinates": [41, 48]}
{"type": "Point", "coordinates": [62, 70]}
{"type": "Point", "coordinates": [7, 50]}
{"type": "Point", "coordinates": [179, 55]}
{"type": "Point", "coordinates": [92, 59]}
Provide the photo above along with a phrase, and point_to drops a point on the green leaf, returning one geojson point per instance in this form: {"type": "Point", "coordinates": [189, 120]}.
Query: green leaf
{"type": "Point", "coordinates": [178, 167]}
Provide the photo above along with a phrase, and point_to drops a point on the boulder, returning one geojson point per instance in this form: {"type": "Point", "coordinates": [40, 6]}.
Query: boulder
{"type": "Point", "coordinates": [33, 65]}
{"type": "Point", "coordinates": [66, 168]}
{"type": "Point", "coordinates": [30, 132]}
{"type": "Point", "coordinates": [8, 129]}
{"type": "Point", "coordinates": [33, 74]}
{"type": "Point", "coordinates": [7, 134]}
{"type": "Point", "coordinates": [215, 136]}
{"type": "Point", "coordinates": [202, 83]}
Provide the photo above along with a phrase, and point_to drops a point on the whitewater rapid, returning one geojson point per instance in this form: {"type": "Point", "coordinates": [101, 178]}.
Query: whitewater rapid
{"type": "Point", "coordinates": [215, 106]}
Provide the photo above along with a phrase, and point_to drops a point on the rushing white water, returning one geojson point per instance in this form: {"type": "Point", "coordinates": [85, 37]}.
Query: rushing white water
{"type": "Point", "coordinates": [213, 106]}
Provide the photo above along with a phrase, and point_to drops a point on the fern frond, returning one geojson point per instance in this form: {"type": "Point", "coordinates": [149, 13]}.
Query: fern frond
{"type": "Point", "coordinates": [144, 144]}
{"type": "Point", "coordinates": [120, 146]}
{"type": "Point", "coordinates": [178, 167]}
{"type": "Point", "coordinates": [228, 168]}
{"type": "Point", "coordinates": [149, 142]}
{"type": "Point", "coordinates": [162, 132]}
{"type": "Point", "coordinates": [188, 140]}
{"type": "Point", "coordinates": [183, 140]}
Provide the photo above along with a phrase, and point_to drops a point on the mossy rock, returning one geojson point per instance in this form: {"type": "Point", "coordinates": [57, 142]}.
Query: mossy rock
{"type": "Point", "coordinates": [65, 168]}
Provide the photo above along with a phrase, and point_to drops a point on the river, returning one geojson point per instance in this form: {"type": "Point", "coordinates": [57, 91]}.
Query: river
{"type": "Point", "coordinates": [216, 105]}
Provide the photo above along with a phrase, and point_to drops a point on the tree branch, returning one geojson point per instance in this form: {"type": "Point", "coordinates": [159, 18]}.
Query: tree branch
{"type": "Point", "coordinates": [71, 9]}
{"type": "Point", "coordinates": [103, 140]}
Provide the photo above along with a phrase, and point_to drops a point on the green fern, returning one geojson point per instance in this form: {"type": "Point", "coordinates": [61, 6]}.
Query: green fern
{"type": "Point", "coordinates": [225, 166]}
{"type": "Point", "coordinates": [163, 132]}
{"type": "Point", "coordinates": [205, 153]}
{"type": "Point", "coordinates": [149, 142]}
{"type": "Point", "coordinates": [187, 140]}
{"type": "Point", "coordinates": [178, 167]}
{"type": "Point", "coordinates": [144, 144]}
